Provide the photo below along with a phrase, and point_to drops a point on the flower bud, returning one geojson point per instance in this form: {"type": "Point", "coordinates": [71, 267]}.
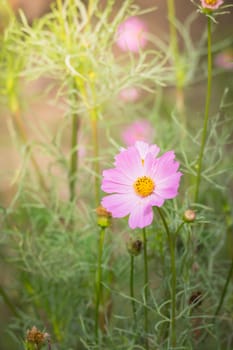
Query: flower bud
{"type": "Point", "coordinates": [35, 336]}
{"type": "Point", "coordinates": [196, 299]}
{"type": "Point", "coordinates": [189, 215]}
{"type": "Point", "coordinates": [103, 217]}
{"type": "Point", "coordinates": [134, 247]}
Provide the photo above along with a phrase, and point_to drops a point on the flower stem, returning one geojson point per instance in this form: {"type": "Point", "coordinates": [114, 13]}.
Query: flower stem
{"type": "Point", "coordinates": [172, 247]}
{"type": "Point", "coordinates": [98, 282]}
{"type": "Point", "coordinates": [206, 117]}
{"type": "Point", "coordinates": [74, 151]}
{"type": "Point", "coordinates": [175, 54]}
{"type": "Point", "coordinates": [15, 115]}
{"type": "Point", "coordinates": [8, 302]}
{"type": "Point", "coordinates": [224, 289]}
{"type": "Point", "coordinates": [146, 286]}
{"type": "Point", "coordinates": [132, 288]}
{"type": "Point", "coordinates": [94, 125]}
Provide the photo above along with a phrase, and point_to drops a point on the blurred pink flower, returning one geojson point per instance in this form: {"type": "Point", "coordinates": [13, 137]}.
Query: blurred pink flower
{"type": "Point", "coordinates": [224, 59]}
{"type": "Point", "coordinates": [211, 4]}
{"type": "Point", "coordinates": [129, 94]}
{"type": "Point", "coordinates": [140, 181]}
{"type": "Point", "coordinates": [131, 34]}
{"type": "Point", "coordinates": [140, 130]}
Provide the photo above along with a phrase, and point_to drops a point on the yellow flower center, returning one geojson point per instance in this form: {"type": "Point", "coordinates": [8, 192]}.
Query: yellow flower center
{"type": "Point", "coordinates": [144, 186]}
{"type": "Point", "coordinates": [211, 2]}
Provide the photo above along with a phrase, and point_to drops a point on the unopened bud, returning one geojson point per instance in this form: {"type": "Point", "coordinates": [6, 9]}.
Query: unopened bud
{"type": "Point", "coordinates": [134, 247]}
{"type": "Point", "coordinates": [35, 336]}
{"type": "Point", "coordinates": [103, 217]}
{"type": "Point", "coordinates": [196, 299]}
{"type": "Point", "coordinates": [189, 215]}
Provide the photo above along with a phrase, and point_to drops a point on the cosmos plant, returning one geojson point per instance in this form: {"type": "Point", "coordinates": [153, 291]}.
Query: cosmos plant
{"type": "Point", "coordinates": [139, 181]}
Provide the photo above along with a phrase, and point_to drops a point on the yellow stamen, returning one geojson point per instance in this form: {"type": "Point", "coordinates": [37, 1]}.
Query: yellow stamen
{"type": "Point", "coordinates": [144, 186]}
{"type": "Point", "coordinates": [211, 2]}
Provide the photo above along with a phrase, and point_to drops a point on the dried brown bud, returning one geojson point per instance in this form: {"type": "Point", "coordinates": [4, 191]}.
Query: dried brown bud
{"type": "Point", "coordinates": [134, 247]}
{"type": "Point", "coordinates": [104, 216]}
{"type": "Point", "coordinates": [35, 336]}
{"type": "Point", "coordinates": [189, 215]}
{"type": "Point", "coordinates": [196, 299]}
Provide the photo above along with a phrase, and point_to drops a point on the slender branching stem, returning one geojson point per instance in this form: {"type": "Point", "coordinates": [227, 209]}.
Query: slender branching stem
{"type": "Point", "coordinates": [22, 134]}
{"type": "Point", "coordinates": [175, 54]}
{"type": "Point", "coordinates": [224, 291]}
{"type": "Point", "coordinates": [74, 151]}
{"type": "Point", "coordinates": [146, 286]}
{"type": "Point", "coordinates": [95, 140]}
{"type": "Point", "coordinates": [132, 289]}
{"type": "Point", "coordinates": [206, 117]}
{"type": "Point", "coordinates": [172, 247]}
{"type": "Point", "coordinates": [8, 302]}
{"type": "Point", "coordinates": [99, 281]}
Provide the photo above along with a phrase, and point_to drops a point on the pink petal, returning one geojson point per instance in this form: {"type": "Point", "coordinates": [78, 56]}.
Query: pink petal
{"type": "Point", "coordinates": [115, 181]}
{"type": "Point", "coordinates": [164, 167]}
{"type": "Point", "coordinates": [141, 215]}
{"type": "Point", "coordinates": [119, 205]}
{"type": "Point", "coordinates": [168, 188]}
{"type": "Point", "coordinates": [129, 163]}
{"type": "Point", "coordinates": [143, 149]}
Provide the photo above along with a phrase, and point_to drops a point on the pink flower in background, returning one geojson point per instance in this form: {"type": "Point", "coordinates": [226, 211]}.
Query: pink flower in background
{"type": "Point", "coordinates": [129, 94]}
{"type": "Point", "coordinates": [140, 130]}
{"type": "Point", "coordinates": [224, 59]}
{"type": "Point", "coordinates": [211, 4]}
{"type": "Point", "coordinates": [140, 181]}
{"type": "Point", "coordinates": [131, 34]}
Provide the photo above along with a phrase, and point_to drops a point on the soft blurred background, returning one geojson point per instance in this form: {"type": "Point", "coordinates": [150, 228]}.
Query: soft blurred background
{"type": "Point", "coordinates": [40, 109]}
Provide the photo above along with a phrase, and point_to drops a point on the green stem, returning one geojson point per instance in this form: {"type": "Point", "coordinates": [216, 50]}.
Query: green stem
{"type": "Point", "coordinates": [19, 125]}
{"type": "Point", "coordinates": [146, 286]}
{"type": "Point", "coordinates": [74, 151]}
{"type": "Point", "coordinates": [172, 28]}
{"type": "Point", "coordinates": [175, 54]}
{"type": "Point", "coordinates": [98, 282]}
{"type": "Point", "coordinates": [172, 245]}
{"type": "Point", "coordinates": [224, 289]}
{"type": "Point", "coordinates": [8, 302]}
{"type": "Point", "coordinates": [132, 288]}
{"type": "Point", "coordinates": [94, 124]}
{"type": "Point", "coordinates": [206, 117]}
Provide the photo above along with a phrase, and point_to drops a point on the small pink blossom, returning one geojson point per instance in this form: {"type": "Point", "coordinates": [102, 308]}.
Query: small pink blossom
{"type": "Point", "coordinates": [131, 34]}
{"type": "Point", "coordinates": [140, 130]}
{"type": "Point", "coordinates": [139, 181]}
{"type": "Point", "coordinates": [211, 4]}
{"type": "Point", "coordinates": [224, 59]}
{"type": "Point", "coordinates": [129, 94]}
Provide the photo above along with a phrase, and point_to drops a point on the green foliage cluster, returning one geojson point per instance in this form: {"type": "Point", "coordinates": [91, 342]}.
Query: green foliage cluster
{"type": "Point", "coordinates": [49, 243]}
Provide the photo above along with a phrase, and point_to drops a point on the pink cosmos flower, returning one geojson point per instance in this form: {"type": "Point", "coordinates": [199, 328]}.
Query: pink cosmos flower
{"type": "Point", "coordinates": [129, 94]}
{"type": "Point", "coordinates": [211, 4]}
{"type": "Point", "coordinates": [224, 59]}
{"type": "Point", "coordinates": [139, 130]}
{"type": "Point", "coordinates": [131, 34]}
{"type": "Point", "coordinates": [139, 181]}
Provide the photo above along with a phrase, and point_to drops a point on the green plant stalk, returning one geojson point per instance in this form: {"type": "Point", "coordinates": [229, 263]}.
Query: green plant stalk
{"type": "Point", "coordinates": [94, 125]}
{"type": "Point", "coordinates": [19, 126]}
{"type": "Point", "coordinates": [74, 153]}
{"type": "Point", "coordinates": [206, 117]}
{"type": "Point", "coordinates": [8, 302]}
{"type": "Point", "coordinates": [222, 298]}
{"type": "Point", "coordinates": [172, 247]}
{"type": "Point", "coordinates": [175, 53]}
{"type": "Point", "coordinates": [132, 289]}
{"type": "Point", "coordinates": [98, 282]}
{"type": "Point", "coordinates": [146, 286]}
